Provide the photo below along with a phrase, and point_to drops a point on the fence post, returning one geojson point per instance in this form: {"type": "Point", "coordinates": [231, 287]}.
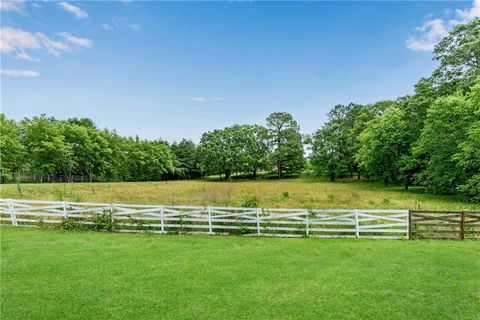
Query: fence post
{"type": "Point", "coordinates": [357, 231]}
{"type": "Point", "coordinates": [112, 218]}
{"type": "Point", "coordinates": [209, 221]}
{"type": "Point", "coordinates": [409, 225]}
{"type": "Point", "coordinates": [306, 223]}
{"type": "Point", "coordinates": [162, 222]}
{"type": "Point", "coordinates": [64, 207]}
{"type": "Point", "coordinates": [258, 221]}
{"type": "Point", "coordinates": [462, 225]}
{"type": "Point", "coordinates": [13, 217]}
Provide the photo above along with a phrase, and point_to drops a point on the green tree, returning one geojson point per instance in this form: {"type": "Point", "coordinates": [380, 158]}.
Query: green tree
{"type": "Point", "coordinates": [286, 143]}
{"type": "Point", "coordinates": [185, 159]}
{"type": "Point", "coordinates": [45, 144]}
{"type": "Point", "coordinates": [12, 152]}
{"type": "Point", "coordinates": [225, 151]}
{"type": "Point", "coordinates": [445, 127]}
{"type": "Point", "coordinates": [468, 154]}
{"type": "Point", "coordinates": [383, 143]}
{"type": "Point", "coordinates": [91, 152]}
{"type": "Point", "coordinates": [458, 55]}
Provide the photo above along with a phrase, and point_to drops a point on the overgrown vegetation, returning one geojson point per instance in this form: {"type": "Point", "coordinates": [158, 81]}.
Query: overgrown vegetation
{"type": "Point", "coordinates": [289, 193]}
{"type": "Point", "coordinates": [428, 139]}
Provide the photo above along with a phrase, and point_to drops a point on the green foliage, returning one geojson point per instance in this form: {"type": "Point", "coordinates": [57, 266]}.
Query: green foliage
{"type": "Point", "coordinates": [235, 149]}
{"type": "Point", "coordinates": [250, 201]}
{"type": "Point", "coordinates": [98, 222]}
{"type": "Point", "coordinates": [12, 151]}
{"type": "Point", "coordinates": [185, 160]}
{"type": "Point", "coordinates": [384, 141]}
{"type": "Point", "coordinates": [471, 189]}
{"type": "Point", "coordinates": [459, 57]}
{"type": "Point", "coordinates": [445, 126]}
{"type": "Point", "coordinates": [286, 143]}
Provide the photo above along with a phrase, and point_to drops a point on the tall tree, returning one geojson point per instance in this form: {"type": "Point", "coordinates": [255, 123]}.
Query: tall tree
{"type": "Point", "coordinates": [458, 55]}
{"type": "Point", "coordinates": [185, 159]}
{"type": "Point", "coordinates": [383, 143]}
{"type": "Point", "coordinates": [46, 147]}
{"type": "Point", "coordinates": [12, 151]}
{"type": "Point", "coordinates": [446, 125]}
{"type": "Point", "coordinates": [286, 143]}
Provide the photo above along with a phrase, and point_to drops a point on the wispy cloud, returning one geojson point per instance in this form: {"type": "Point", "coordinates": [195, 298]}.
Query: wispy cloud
{"type": "Point", "coordinates": [16, 6]}
{"type": "Point", "coordinates": [120, 23]}
{"type": "Point", "coordinates": [77, 11]}
{"type": "Point", "coordinates": [135, 27]}
{"type": "Point", "coordinates": [433, 30]}
{"type": "Point", "coordinates": [77, 41]}
{"type": "Point", "coordinates": [204, 99]}
{"type": "Point", "coordinates": [19, 73]}
{"type": "Point", "coordinates": [18, 43]}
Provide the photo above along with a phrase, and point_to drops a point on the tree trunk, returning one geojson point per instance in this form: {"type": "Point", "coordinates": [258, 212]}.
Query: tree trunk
{"type": "Point", "coordinates": [332, 176]}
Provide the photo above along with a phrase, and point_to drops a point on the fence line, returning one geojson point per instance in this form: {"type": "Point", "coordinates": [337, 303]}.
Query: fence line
{"type": "Point", "coordinates": [163, 219]}
{"type": "Point", "coordinates": [444, 224]}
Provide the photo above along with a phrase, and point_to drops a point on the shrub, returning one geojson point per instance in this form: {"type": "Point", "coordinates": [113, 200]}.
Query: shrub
{"type": "Point", "coordinates": [249, 201]}
{"type": "Point", "coordinates": [471, 189]}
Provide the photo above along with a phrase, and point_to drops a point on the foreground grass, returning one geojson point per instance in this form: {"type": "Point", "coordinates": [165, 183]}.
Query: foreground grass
{"type": "Point", "coordinates": [61, 275]}
{"type": "Point", "coordinates": [293, 193]}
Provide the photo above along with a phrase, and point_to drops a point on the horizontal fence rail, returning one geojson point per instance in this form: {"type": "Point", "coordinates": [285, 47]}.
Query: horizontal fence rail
{"type": "Point", "coordinates": [444, 224]}
{"type": "Point", "coordinates": [163, 219]}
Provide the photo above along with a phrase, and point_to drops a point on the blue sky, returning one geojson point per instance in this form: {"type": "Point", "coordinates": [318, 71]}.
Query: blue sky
{"type": "Point", "coordinates": [177, 69]}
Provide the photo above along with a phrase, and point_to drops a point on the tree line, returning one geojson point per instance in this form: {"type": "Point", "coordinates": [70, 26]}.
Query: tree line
{"type": "Point", "coordinates": [44, 145]}
{"type": "Point", "coordinates": [430, 138]}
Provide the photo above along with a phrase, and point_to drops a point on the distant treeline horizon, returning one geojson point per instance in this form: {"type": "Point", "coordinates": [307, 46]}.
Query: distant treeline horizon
{"type": "Point", "coordinates": [430, 138]}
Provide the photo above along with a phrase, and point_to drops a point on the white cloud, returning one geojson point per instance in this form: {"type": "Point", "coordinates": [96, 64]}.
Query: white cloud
{"type": "Point", "coordinates": [19, 73]}
{"type": "Point", "coordinates": [81, 42]}
{"type": "Point", "coordinates": [203, 99]}
{"type": "Point", "coordinates": [432, 31]}
{"type": "Point", "coordinates": [77, 11]}
{"type": "Point", "coordinates": [52, 46]}
{"type": "Point", "coordinates": [17, 42]}
{"type": "Point", "coordinates": [469, 14]}
{"type": "Point", "coordinates": [135, 27]}
{"type": "Point", "coordinates": [119, 23]}
{"type": "Point", "coordinates": [107, 26]}
{"type": "Point", "coordinates": [16, 6]}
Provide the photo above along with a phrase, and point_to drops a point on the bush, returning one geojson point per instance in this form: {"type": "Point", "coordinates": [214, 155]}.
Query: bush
{"type": "Point", "coordinates": [249, 201]}
{"type": "Point", "coordinates": [471, 190]}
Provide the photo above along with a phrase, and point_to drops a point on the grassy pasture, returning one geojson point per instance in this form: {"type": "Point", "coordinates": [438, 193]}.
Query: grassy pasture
{"type": "Point", "coordinates": [294, 193]}
{"type": "Point", "coordinates": [85, 275]}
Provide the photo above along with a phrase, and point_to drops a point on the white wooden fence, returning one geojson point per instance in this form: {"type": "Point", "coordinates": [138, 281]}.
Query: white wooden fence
{"type": "Point", "coordinates": [321, 223]}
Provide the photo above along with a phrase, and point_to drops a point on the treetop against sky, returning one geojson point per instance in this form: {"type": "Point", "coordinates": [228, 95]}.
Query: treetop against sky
{"type": "Point", "coordinates": [173, 70]}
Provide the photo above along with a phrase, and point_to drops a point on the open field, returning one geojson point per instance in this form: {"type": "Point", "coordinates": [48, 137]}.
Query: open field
{"type": "Point", "coordinates": [74, 275]}
{"type": "Point", "coordinates": [295, 193]}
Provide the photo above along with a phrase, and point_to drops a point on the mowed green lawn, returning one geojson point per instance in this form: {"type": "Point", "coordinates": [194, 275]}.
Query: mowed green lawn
{"type": "Point", "coordinates": [48, 274]}
{"type": "Point", "coordinates": [291, 193]}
